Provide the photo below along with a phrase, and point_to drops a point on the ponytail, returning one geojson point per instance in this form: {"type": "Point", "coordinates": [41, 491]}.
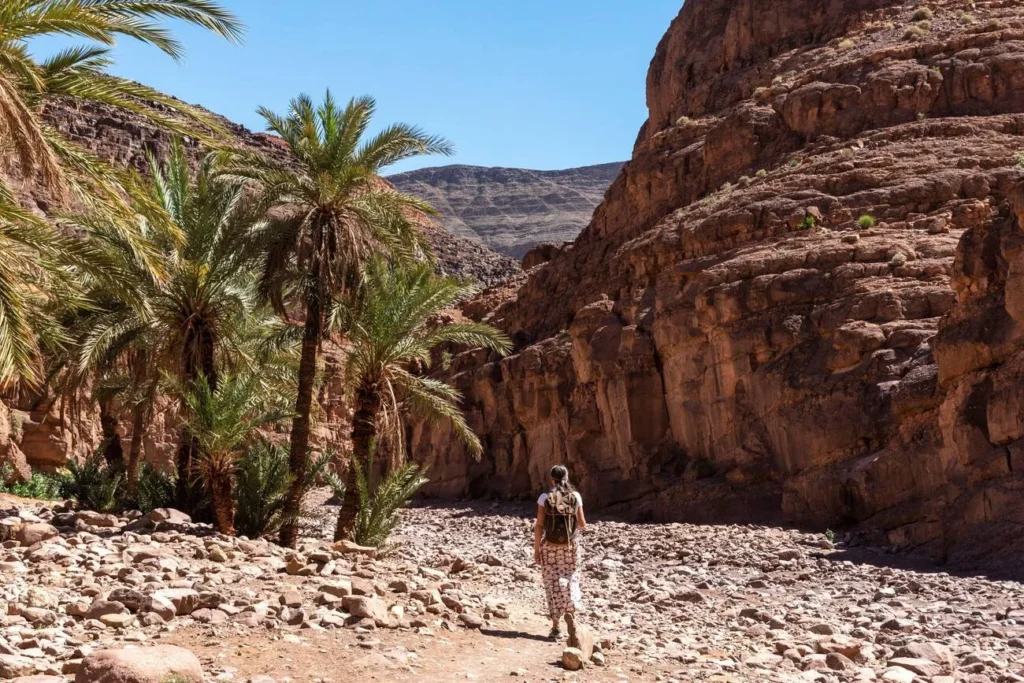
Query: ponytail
{"type": "Point", "coordinates": [560, 475]}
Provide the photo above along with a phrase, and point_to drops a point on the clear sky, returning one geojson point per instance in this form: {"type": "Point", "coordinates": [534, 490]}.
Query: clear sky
{"type": "Point", "coordinates": [527, 83]}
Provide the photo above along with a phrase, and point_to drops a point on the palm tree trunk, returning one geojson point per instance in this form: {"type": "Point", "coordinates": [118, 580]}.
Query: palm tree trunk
{"type": "Point", "coordinates": [298, 457]}
{"type": "Point", "coordinates": [113, 452]}
{"type": "Point", "coordinates": [135, 448]}
{"type": "Point", "coordinates": [198, 360]}
{"type": "Point", "coordinates": [222, 496]}
{"type": "Point", "coordinates": [364, 437]}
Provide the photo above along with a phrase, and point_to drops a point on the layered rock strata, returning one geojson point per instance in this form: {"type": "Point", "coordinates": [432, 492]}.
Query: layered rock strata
{"type": "Point", "coordinates": [796, 303]}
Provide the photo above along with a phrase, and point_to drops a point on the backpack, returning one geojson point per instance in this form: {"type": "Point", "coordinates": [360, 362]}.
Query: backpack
{"type": "Point", "coordinates": [560, 517]}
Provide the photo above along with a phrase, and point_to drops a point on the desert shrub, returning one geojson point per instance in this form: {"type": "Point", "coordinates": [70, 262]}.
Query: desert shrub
{"type": "Point", "coordinates": [1018, 159]}
{"type": "Point", "coordinates": [898, 259]}
{"type": "Point", "coordinates": [866, 221]}
{"type": "Point", "coordinates": [915, 33]}
{"type": "Point", "coordinates": [808, 223]}
{"type": "Point", "coordinates": [830, 535]}
{"type": "Point", "coordinates": [966, 18]}
{"type": "Point", "coordinates": [16, 421]}
{"type": "Point", "coordinates": [93, 485]}
{"type": "Point", "coordinates": [378, 512]}
{"type": "Point", "coordinates": [923, 14]}
{"type": "Point", "coordinates": [847, 44]}
{"type": "Point", "coordinates": [261, 485]}
{"type": "Point", "coordinates": [155, 489]}
{"type": "Point", "coordinates": [683, 120]}
{"type": "Point", "coordinates": [761, 173]}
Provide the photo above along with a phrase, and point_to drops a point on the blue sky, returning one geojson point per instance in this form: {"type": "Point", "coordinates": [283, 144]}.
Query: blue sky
{"type": "Point", "coordinates": [532, 83]}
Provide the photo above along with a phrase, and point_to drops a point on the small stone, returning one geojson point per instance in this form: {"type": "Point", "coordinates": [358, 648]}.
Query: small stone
{"type": "Point", "coordinates": [572, 659]}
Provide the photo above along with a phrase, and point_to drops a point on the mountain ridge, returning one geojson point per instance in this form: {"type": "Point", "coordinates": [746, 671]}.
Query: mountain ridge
{"type": "Point", "coordinates": [508, 209]}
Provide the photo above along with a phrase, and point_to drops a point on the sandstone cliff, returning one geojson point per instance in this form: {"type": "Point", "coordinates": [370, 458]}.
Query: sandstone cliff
{"type": "Point", "coordinates": [511, 210]}
{"type": "Point", "coordinates": [799, 300]}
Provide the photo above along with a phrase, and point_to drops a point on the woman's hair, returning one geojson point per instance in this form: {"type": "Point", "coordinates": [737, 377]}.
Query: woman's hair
{"type": "Point", "coordinates": [560, 475]}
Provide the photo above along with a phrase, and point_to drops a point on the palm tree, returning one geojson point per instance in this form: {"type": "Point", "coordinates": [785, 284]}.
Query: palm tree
{"type": "Point", "coordinates": [334, 213]}
{"type": "Point", "coordinates": [225, 422]}
{"type": "Point", "coordinates": [180, 296]}
{"type": "Point", "coordinates": [33, 273]}
{"type": "Point", "coordinates": [393, 328]}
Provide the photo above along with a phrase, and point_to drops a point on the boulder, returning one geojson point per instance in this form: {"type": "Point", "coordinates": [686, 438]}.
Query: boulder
{"type": "Point", "coordinates": [32, 533]}
{"type": "Point", "coordinates": [140, 665]}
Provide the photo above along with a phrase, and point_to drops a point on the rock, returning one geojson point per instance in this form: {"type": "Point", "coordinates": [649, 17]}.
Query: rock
{"type": "Point", "coordinates": [898, 674]}
{"type": "Point", "coordinates": [291, 598]}
{"type": "Point", "coordinates": [129, 597]}
{"type": "Point", "coordinates": [350, 548]}
{"type": "Point", "coordinates": [169, 515]}
{"type": "Point", "coordinates": [210, 616]}
{"type": "Point", "coordinates": [30, 534]}
{"type": "Point", "coordinates": [931, 651]}
{"type": "Point", "coordinates": [98, 519]}
{"type": "Point", "coordinates": [471, 621]}
{"type": "Point", "coordinates": [15, 666]}
{"type": "Point", "coordinates": [140, 665]}
{"type": "Point", "coordinates": [366, 608]}
{"type": "Point", "coordinates": [921, 667]}
{"type": "Point", "coordinates": [160, 606]}
{"type": "Point", "coordinates": [101, 607]}
{"type": "Point", "coordinates": [185, 600]}
{"type": "Point", "coordinates": [572, 659]}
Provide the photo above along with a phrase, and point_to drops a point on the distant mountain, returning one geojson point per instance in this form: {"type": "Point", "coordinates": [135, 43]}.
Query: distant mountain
{"type": "Point", "coordinates": [511, 210]}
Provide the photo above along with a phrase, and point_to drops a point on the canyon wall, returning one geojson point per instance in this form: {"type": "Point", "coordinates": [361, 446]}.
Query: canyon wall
{"type": "Point", "coordinates": [799, 301]}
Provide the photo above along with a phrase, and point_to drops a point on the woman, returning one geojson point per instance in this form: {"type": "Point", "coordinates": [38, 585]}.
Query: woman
{"type": "Point", "coordinates": [557, 549]}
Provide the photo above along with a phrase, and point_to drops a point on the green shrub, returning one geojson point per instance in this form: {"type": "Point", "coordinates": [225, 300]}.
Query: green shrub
{"type": "Point", "coordinates": [1018, 159]}
{"type": "Point", "coordinates": [155, 489]}
{"type": "Point", "coordinates": [40, 486]}
{"type": "Point", "coordinates": [261, 485]}
{"type": "Point", "coordinates": [93, 485]}
{"type": "Point", "coordinates": [830, 535]}
{"type": "Point", "coordinates": [866, 221]}
{"type": "Point", "coordinates": [808, 223]}
{"type": "Point", "coordinates": [378, 512]}
{"type": "Point", "coordinates": [923, 14]}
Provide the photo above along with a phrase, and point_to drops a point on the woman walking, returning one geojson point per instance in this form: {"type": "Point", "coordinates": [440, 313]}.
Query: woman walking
{"type": "Point", "coordinates": [557, 549]}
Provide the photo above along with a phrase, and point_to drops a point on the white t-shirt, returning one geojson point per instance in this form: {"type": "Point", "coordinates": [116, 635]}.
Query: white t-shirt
{"type": "Point", "coordinates": [544, 498]}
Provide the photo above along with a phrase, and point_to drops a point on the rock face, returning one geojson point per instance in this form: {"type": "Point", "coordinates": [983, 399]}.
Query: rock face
{"type": "Point", "coordinates": [511, 210]}
{"type": "Point", "coordinates": [798, 301]}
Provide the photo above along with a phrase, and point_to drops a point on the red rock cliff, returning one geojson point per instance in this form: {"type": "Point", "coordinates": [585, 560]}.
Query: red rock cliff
{"type": "Point", "coordinates": [796, 302]}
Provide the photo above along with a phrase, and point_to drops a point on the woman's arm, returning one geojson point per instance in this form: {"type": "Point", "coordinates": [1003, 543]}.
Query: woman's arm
{"type": "Point", "coordinates": [538, 534]}
{"type": "Point", "coordinates": [581, 519]}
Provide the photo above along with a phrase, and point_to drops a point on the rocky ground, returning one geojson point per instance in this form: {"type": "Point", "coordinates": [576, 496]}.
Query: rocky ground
{"type": "Point", "coordinates": [456, 598]}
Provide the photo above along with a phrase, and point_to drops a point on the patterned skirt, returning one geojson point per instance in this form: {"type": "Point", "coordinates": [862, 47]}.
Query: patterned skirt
{"type": "Point", "coordinates": [560, 569]}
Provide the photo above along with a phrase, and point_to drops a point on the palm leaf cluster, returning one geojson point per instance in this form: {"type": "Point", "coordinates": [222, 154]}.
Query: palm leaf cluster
{"type": "Point", "coordinates": [378, 509]}
{"type": "Point", "coordinates": [35, 275]}
{"type": "Point", "coordinates": [393, 328]}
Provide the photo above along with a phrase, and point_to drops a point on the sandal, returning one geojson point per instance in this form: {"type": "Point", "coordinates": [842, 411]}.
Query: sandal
{"type": "Point", "coordinates": [555, 634]}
